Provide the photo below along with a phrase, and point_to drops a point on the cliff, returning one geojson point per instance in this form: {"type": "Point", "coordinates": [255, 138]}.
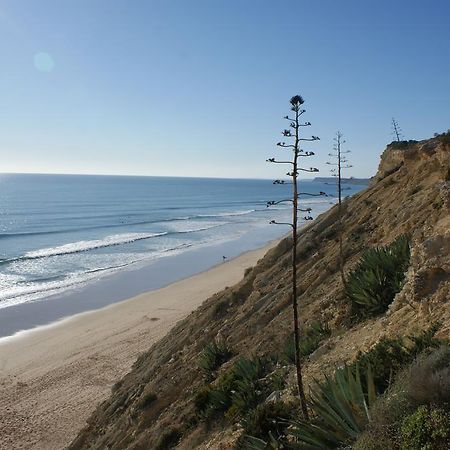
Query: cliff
{"type": "Point", "coordinates": [409, 194]}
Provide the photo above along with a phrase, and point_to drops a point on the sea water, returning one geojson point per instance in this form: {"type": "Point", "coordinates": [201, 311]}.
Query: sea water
{"type": "Point", "coordinates": [61, 232]}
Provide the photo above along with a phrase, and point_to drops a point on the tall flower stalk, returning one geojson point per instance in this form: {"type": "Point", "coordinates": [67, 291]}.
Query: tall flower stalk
{"type": "Point", "coordinates": [340, 163]}
{"type": "Point", "coordinates": [294, 140]}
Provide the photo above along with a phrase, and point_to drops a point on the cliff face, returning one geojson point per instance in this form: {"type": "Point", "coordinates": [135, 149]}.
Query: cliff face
{"type": "Point", "coordinates": [410, 194]}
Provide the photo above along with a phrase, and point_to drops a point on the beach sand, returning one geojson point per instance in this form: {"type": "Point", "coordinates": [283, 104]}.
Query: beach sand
{"type": "Point", "coordinates": [52, 378]}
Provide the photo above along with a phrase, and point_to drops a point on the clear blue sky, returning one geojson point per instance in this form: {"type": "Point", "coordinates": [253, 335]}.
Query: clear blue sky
{"type": "Point", "coordinates": [199, 87]}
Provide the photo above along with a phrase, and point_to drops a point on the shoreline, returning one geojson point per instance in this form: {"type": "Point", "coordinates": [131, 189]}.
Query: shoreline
{"type": "Point", "coordinates": [53, 376]}
{"type": "Point", "coordinates": [127, 283]}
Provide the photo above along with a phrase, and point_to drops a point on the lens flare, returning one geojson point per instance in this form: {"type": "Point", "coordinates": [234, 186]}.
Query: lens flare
{"type": "Point", "coordinates": [44, 62]}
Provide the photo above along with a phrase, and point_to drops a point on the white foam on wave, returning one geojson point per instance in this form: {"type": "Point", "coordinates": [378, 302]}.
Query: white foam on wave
{"type": "Point", "coordinates": [228, 214]}
{"type": "Point", "coordinates": [23, 292]}
{"type": "Point", "coordinates": [192, 226]}
{"type": "Point", "coordinates": [83, 246]}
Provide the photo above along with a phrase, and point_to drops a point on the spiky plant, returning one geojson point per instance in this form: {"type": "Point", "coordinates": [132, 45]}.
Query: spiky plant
{"type": "Point", "coordinates": [340, 412]}
{"type": "Point", "coordinates": [213, 356]}
{"type": "Point", "coordinates": [341, 407]}
{"type": "Point", "coordinates": [236, 391]}
{"type": "Point", "coordinates": [372, 285]}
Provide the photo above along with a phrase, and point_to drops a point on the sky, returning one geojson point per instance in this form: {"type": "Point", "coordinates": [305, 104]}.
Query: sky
{"type": "Point", "coordinates": [200, 87]}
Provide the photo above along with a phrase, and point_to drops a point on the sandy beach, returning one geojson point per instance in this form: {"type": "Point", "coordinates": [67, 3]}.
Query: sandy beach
{"type": "Point", "coordinates": [52, 377]}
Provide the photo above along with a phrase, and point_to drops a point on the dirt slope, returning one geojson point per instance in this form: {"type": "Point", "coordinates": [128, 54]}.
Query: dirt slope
{"type": "Point", "coordinates": [410, 194]}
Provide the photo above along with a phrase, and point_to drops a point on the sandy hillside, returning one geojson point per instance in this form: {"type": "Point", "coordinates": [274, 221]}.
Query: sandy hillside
{"type": "Point", "coordinates": [52, 378]}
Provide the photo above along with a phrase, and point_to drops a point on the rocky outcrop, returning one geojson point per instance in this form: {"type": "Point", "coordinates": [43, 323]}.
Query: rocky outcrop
{"type": "Point", "coordinates": [410, 194]}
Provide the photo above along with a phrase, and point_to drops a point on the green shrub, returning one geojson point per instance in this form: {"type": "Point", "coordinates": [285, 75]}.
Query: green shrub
{"type": "Point", "coordinates": [218, 397]}
{"type": "Point", "coordinates": [254, 443]}
{"type": "Point", "coordinates": [386, 416]}
{"type": "Point", "coordinates": [426, 429]}
{"type": "Point", "coordinates": [345, 408]}
{"type": "Point", "coordinates": [429, 378]}
{"type": "Point", "coordinates": [309, 342]}
{"type": "Point", "coordinates": [389, 356]}
{"type": "Point", "coordinates": [372, 285]}
{"type": "Point", "coordinates": [276, 381]}
{"type": "Point", "coordinates": [147, 400]}
{"type": "Point", "coordinates": [168, 439]}
{"type": "Point", "coordinates": [220, 309]}
{"type": "Point", "coordinates": [415, 190]}
{"type": "Point", "coordinates": [438, 203]}
{"type": "Point", "coordinates": [201, 398]}
{"type": "Point", "coordinates": [288, 352]}
{"type": "Point", "coordinates": [409, 391]}
{"type": "Point", "coordinates": [236, 391]}
{"type": "Point", "coordinates": [267, 420]}
{"type": "Point", "coordinates": [443, 137]}
{"type": "Point", "coordinates": [248, 386]}
{"type": "Point", "coordinates": [402, 145]}
{"type": "Point", "coordinates": [213, 356]}
{"type": "Point", "coordinates": [314, 335]}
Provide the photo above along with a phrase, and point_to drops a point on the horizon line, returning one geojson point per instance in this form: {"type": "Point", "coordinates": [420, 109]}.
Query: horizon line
{"type": "Point", "coordinates": [139, 176]}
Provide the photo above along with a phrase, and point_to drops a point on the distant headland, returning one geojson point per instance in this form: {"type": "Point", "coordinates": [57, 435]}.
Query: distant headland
{"type": "Point", "coordinates": [350, 180]}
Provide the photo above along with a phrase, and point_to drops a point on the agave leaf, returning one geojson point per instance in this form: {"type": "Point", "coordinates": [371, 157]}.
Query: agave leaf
{"type": "Point", "coordinates": [372, 285]}
{"type": "Point", "coordinates": [329, 405]}
{"type": "Point", "coordinates": [340, 406]}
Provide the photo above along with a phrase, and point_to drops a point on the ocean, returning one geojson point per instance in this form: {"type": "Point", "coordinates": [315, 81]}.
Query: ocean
{"type": "Point", "coordinates": [60, 233]}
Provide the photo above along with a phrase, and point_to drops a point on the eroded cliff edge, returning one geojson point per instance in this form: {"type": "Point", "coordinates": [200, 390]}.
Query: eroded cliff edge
{"type": "Point", "coordinates": [409, 194]}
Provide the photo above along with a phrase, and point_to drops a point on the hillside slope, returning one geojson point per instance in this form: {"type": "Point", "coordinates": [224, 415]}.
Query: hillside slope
{"type": "Point", "coordinates": [410, 194]}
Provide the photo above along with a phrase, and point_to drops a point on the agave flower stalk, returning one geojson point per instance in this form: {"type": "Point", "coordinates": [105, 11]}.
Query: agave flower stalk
{"type": "Point", "coordinates": [396, 130]}
{"type": "Point", "coordinates": [292, 134]}
{"type": "Point", "coordinates": [339, 163]}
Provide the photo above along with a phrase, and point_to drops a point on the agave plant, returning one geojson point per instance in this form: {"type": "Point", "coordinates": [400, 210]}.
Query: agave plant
{"type": "Point", "coordinates": [248, 389]}
{"type": "Point", "coordinates": [235, 391]}
{"type": "Point", "coordinates": [372, 286]}
{"type": "Point", "coordinates": [213, 356]}
{"type": "Point", "coordinates": [340, 407]}
{"type": "Point", "coordinates": [253, 443]}
{"type": "Point", "coordinates": [341, 410]}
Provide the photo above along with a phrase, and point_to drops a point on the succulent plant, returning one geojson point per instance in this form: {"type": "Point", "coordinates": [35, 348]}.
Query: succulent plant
{"type": "Point", "coordinates": [372, 285]}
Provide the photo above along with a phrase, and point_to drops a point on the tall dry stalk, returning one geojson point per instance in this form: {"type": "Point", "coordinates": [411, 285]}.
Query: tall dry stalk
{"type": "Point", "coordinates": [293, 133]}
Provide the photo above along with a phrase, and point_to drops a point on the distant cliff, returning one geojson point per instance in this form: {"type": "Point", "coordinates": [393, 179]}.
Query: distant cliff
{"type": "Point", "coordinates": [409, 194]}
{"type": "Point", "coordinates": [352, 180]}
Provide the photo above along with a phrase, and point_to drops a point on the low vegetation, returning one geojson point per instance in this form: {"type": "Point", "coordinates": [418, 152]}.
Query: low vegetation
{"type": "Point", "coordinates": [340, 408]}
{"type": "Point", "coordinates": [213, 356]}
{"type": "Point", "coordinates": [443, 137]}
{"type": "Point", "coordinates": [403, 420]}
{"type": "Point", "coordinates": [147, 400]}
{"type": "Point", "coordinates": [168, 439]}
{"type": "Point", "coordinates": [426, 428]}
{"type": "Point", "coordinates": [390, 355]}
{"type": "Point", "coordinates": [312, 337]}
{"type": "Point", "coordinates": [268, 420]}
{"type": "Point", "coordinates": [361, 406]}
{"type": "Point", "coordinates": [238, 390]}
{"type": "Point", "coordinates": [372, 285]}
{"type": "Point", "coordinates": [402, 145]}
